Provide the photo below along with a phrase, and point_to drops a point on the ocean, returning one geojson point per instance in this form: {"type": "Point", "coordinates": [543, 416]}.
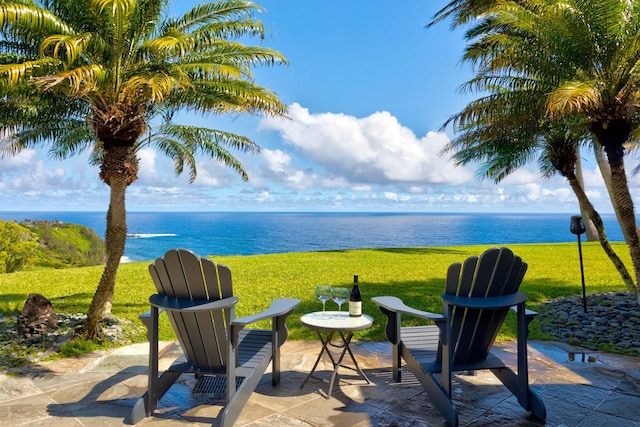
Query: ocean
{"type": "Point", "coordinates": [248, 233]}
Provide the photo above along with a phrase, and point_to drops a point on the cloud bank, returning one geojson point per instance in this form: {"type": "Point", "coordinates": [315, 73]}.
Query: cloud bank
{"type": "Point", "coordinates": [309, 162]}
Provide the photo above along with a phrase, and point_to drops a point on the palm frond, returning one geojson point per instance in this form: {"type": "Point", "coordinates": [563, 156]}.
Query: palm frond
{"type": "Point", "coordinates": [79, 81]}
{"type": "Point", "coordinates": [220, 11]}
{"type": "Point", "coordinates": [575, 96]}
{"type": "Point", "coordinates": [14, 17]}
{"type": "Point", "coordinates": [20, 72]}
{"type": "Point", "coordinates": [155, 87]}
{"type": "Point", "coordinates": [65, 47]}
{"type": "Point", "coordinates": [121, 8]}
{"type": "Point", "coordinates": [183, 143]}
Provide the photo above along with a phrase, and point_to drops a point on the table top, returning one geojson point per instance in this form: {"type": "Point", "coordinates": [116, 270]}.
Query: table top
{"type": "Point", "coordinates": [336, 321]}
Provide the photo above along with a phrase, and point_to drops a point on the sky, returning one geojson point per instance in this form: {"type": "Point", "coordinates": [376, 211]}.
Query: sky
{"type": "Point", "coordinates": [368, 88]}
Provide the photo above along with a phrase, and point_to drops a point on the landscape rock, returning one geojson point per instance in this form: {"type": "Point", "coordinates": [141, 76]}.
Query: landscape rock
{"type": "Point", "coordinates": [37, 317]}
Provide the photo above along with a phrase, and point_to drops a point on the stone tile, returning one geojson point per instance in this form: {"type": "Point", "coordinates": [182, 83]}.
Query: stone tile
{"type": "Point", "coordinates": [621, 405]}
{"type": "Point", "coordinates": [203, 413]}
{"type": "Point", "coordinates": [279, 420]}
{"type": "Point", "coordinates": [576, 396]}
{"type": "Point", "coordinates": [395, 419]}
{"type": "Point", "coordinates": [97, 415]}
{"type": "Point", "coordinates": [286, 394]}
{"type": "Point", "coordinates": [481, 396]}
{"type": "Point", "coordinates": [172, 421]}
{"type": "Point", "coordinates": [634, 373]}
{"type": "Point", "coordinates": [567, 406]}
{"type": "Point", "coordinates": [384, 393]}
{"type": "Point", "coordinates": [507, 412]}
{"type": "Point", "coordinates": [598, 419]}
{"type": "Point", "coordinates": [70, 364]}
{"type": "Point", "coordinates": [336, 411]}
{"type": "Point", "coordinates": [19, 411]}
{"type": "Point", "coordinates": [54, 422]}
{"type": "Point", "coordinates": [52, 382]}
{"type": "Point", "coordinates": [12, 387]}
{"type": "Point", "coordinates": [629, 385]}
{"type": "Point", "coordinates": [138, 364]}
{"type": "Point", "coordinates": [93, 390]}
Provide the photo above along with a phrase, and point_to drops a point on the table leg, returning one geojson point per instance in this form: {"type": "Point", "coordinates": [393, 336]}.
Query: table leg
{"type": "Point", "coordinates": [353, 358]}
{"type": "Point", "coordinates": [337, 363]}
{"type": "Point", "coordinates": [324, 348]}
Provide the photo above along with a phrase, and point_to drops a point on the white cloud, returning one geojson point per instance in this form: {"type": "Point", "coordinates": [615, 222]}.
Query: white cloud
{"type": "Point", "coordinates": [522, 176]}
{"type": "Point", "coordinates": [16, 163]}
{"type": "Point", "coordinates": [264, 197]}
{"type": "Point", "coordinates": [372, 150]}
{"type": "Point", "coordinates": [277, 160]}
{"type": "Point", "coordinates": [24, 172]}
{"type": "Point", "coordinates": [147, 173]}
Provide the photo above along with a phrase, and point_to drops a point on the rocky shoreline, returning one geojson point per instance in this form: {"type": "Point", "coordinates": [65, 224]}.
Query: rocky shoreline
{"type": "Point", "coordinates": [611, 323]}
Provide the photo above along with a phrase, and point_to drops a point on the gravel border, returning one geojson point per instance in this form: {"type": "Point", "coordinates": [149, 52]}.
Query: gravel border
{"type": "Point", "coordinates": [611, 323]}
{"type": "Point", "coordinates": [17, 350]}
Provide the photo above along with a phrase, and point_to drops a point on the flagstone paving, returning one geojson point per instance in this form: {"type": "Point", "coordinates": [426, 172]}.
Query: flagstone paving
{"type": "Point", "coordinates": [579, 387]}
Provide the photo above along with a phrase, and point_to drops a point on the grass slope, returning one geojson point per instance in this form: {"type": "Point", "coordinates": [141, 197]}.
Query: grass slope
{"type": "Point", "coordinates": [414, 274]}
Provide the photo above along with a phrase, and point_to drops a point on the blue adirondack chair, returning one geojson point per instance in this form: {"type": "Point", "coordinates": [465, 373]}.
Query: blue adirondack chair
{"type": "Point", "coordinates": [197, 295]}
{"type": "Point", "coordinates": [478, 295]}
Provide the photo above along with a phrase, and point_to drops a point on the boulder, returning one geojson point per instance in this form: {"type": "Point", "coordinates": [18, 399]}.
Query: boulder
{"type": "Point", "coordinates": [37, 317]}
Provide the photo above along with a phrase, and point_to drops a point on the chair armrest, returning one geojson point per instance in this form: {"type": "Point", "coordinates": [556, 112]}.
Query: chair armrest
{"type": "Point", "coordinates": [396, 305]}
{"type": "Point", "coordinates": [393, 308]}
{"type": "Point", "coordinates": [188, 305]}
{"type": "Point", "coordinates": [530, 314]}
{"type": "Point", "coordinates": [278, 307]}
{"type": "Point", "coordinates": [487, 303]}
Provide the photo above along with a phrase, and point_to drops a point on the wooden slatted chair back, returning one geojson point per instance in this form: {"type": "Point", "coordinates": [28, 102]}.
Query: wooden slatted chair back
{"type": "Point", "coordinates": [497, 272]}
{"type": "Point", "coordinates": [203, 336]}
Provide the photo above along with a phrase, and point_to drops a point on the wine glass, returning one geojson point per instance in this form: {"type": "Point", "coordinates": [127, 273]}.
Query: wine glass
{"type": "Point", "coordinates": [339, 296]}
{"type": "Point", "coordinates": [323, 293]}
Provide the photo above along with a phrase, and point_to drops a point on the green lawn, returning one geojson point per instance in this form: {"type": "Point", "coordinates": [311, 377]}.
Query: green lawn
{"type": "Point", "coordinates": [414, 274]}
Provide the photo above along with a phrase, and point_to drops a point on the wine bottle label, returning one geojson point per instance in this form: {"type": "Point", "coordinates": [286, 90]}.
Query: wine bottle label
{"type": "Point", "coordinates": [355, 308]}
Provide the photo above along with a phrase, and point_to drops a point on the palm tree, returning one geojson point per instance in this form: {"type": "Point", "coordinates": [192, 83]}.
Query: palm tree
{"type": "Point", "coordinates": [585, 54]}
{"type": "Point", "coordinates": [118, 70]}
{"type": "Point", "coordinates": [503, 136]}
{"type": "Point", "coordinates": [463, 12]}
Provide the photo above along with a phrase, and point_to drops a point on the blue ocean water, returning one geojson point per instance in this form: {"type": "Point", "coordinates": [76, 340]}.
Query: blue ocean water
{"type": "Point", "coordinates": [248, 233]}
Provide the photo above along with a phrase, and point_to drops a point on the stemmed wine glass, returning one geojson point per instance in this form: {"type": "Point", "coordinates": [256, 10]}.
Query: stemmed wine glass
{"type": "Point", "coordinates": [339, 296]}
{"type": "Point", "coordinates": [323, 293]}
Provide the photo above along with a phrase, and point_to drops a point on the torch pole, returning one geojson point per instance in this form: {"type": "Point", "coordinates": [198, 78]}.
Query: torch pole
{"type": "Point", "coordinates": [584, 291]}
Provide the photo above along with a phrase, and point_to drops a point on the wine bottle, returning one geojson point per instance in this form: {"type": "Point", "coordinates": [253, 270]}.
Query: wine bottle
{"type": "Point", "coordinates": [355, 299]}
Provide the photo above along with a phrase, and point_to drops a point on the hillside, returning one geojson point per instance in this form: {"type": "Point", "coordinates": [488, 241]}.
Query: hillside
{"type": "Point", "coordinates": [62, 245]}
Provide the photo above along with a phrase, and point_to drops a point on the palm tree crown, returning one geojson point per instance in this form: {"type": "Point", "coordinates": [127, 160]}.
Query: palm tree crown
{"type": "Point", "coordinates": [122, 68]}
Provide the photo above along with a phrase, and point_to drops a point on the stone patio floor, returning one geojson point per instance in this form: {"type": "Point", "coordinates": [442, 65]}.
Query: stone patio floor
{"type": "Point", "coordinates": [579, 388]}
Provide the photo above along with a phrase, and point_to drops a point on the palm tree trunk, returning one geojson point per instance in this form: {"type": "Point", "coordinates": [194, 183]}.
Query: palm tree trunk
{"type": "Point", "coordinates": [605, 171]}
{"type": "Point", "coordinates": [596, 220]}
{"type": "Point", "coordinates": [624, 203]}
{"type": "Point", "coordinates": [115, 236]}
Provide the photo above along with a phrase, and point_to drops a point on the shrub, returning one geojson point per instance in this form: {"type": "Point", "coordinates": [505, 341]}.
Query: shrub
{"type": "Point", "coordinates": [66, 245]}
{"type": "Point", "coordinates": [18, 246]}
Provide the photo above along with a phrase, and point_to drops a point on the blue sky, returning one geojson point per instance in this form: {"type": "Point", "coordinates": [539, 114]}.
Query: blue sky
{"type": "Point", "coordinates": [368, 88]}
